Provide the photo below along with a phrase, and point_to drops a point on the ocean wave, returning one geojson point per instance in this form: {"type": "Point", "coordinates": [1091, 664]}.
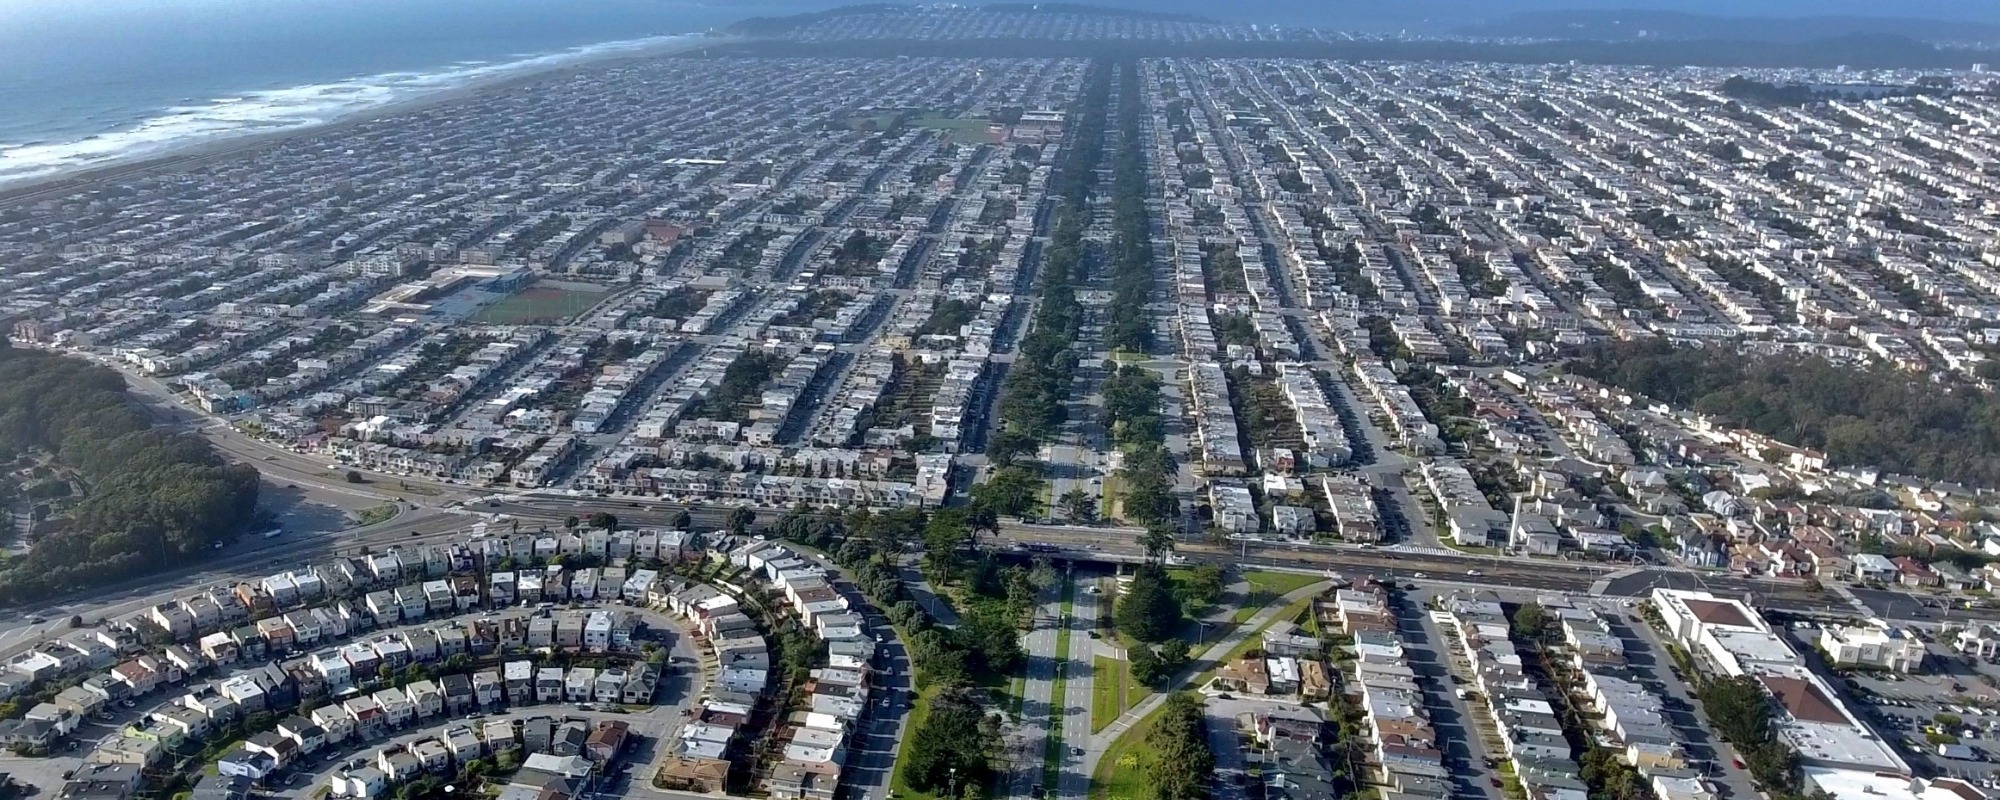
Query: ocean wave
{"type": "Point", "coordinates": [274, 110]}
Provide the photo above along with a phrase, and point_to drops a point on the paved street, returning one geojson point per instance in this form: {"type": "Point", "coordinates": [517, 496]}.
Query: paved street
{"type": "Point", "coordinates": [1079, 669]}
{"type": "Point", "coordinates": [1028, 742]}
{"type": "Point", "coordinates": [1425, 650]}
{"type": "Point", "coordinates": [872, 752]}
{"type": "Point", "coordinates": [1648, 658]}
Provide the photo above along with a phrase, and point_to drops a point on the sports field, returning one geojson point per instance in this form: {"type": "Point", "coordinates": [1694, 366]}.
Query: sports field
{"type": "Point", "coordinates": [542, 304]}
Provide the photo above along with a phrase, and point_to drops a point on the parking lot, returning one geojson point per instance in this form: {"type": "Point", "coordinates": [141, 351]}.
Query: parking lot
{"type": "Point", "coordinates": [1953, 704]}
{"type": "Point", "coordinates": [1921, 725]}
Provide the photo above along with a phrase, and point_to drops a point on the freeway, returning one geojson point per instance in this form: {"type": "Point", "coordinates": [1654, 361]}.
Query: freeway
{"type": "Point", "coordinates": [429, 508]}
{"type": "Point", "coordinates": [278, 464]}
{"type": "Point", "coordinates": [1109, 544]}
{"type": "Point", "coordinates": [254, 556]}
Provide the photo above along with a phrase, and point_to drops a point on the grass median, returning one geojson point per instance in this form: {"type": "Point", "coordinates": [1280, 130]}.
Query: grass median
{"type": "Point", "coordinates": [1052, 752]}
{"type": "Point", "coordinates": [1112, 691]}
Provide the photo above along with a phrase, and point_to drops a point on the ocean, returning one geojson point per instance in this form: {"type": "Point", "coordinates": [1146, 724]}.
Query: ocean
{"type": "Point", "coordinates": [91, 82]}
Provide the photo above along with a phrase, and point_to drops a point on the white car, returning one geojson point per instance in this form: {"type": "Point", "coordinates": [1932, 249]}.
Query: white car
{"type": "Point", "coordinates": [1473, 573]}
{"type": "Point", "coordinates": [1420, 576]}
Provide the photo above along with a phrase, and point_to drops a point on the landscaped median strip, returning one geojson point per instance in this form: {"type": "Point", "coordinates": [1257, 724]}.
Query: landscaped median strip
{"type": "Point", "coordinates": [1052, 751]}
{"type": "Point", "coordinates": [1111, 692]}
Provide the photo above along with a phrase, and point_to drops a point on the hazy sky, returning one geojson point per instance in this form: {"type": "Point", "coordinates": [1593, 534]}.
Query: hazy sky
{"type": "Point", "coordinates": [27, 18]}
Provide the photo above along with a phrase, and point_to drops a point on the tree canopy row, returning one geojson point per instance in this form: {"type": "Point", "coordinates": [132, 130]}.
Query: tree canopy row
{"type": "Point", "coordinates": [154, 499]}
{"type": "Point", "coordinates": [1130, 327]}
{"type": "Point", "coordinates": [1037, 386]}
{"type": "Point", "coordinates": [1132, 414]}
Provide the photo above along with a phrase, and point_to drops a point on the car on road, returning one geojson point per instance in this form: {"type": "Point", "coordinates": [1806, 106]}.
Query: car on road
{"type": "Point", "coordinates": [1420, 576]}
{"type": "Point", "coordinates": [1473, 573]}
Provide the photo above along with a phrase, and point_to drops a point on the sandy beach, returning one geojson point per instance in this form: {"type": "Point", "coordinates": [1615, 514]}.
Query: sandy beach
{"type": "Point", "coordinates": [223, 147]}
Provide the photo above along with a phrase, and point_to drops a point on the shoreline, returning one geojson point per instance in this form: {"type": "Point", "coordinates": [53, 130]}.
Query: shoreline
{"type": "Point", "coordinates": [221, 148]}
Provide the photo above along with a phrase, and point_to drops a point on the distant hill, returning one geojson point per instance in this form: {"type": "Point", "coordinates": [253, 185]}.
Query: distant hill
{"type": "Point", "coordinates": [1857, 52]}
{"type": "Point", "coordinates": [1633, 24]}
{"type": "Point", "coordinates": [772, 26]}
{"type": "Point", "coordinates": [1082, 9]}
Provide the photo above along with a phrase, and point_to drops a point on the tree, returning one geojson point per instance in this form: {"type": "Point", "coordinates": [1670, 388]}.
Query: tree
{"type": "Point", "coordinates": [981, 516]}
{"type": "Point", "coordinates": [354, 476]}
{"type": "Point", "coordinates": [1202, 588]}
{"type": "Point", "coordinates": [1007, 446]}
{"type": "Point", "coordinates": [1148, 611]}
{"type": "Point", "coordinates": [1741, 713]}
{"type": "Point", "coordinates": [1014, 491]}
{"type": "Point", "coordinates": [1158, 541]}
{"type": "Point", "coordinates": [942, 536]}
{"type": "Point", "coordinates": [950, 745]}
{"type": "Point", "coordinates": [1079, 507]}
{"type": "Point", "coordinates": [990, 639]}
{"type": "Point", "coordinates": [741, 518]}
{"type": "Point", "coordinates": [604, 520]}
{"type": "Point", "coordinates": [1146, 667]}
{"type": "Point", "coordinates": [1175, 654]}
{"type": "Point", "coordinates": [683, 520]}
{"type": "Point", "coordinates": [158, 499]}
{"type": "Point", "coordinates": [1530, 622]}
{"type": "Point", "coordinates": [1042, 574]}
{"type": "Point", "coordinates": [570, 523]}
{"type": "Point", "coordinates": [1176, 761]}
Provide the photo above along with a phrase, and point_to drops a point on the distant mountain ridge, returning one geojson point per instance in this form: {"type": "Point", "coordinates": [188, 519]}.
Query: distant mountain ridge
{"type": "Point", "coordinates": [1631, 24]}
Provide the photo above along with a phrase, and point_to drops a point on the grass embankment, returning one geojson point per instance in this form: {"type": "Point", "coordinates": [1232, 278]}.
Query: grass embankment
{"type": "Point", "coordinates": [1266, 587]}
{"type": "Point", "coordinates": [1118, 775]}
{"type": "Point", "coordinates": [919, 710]}
{"type": "Point", "coordinates": [1255, 639]}
{"type": "Point", "coordinates": [375, 515]}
